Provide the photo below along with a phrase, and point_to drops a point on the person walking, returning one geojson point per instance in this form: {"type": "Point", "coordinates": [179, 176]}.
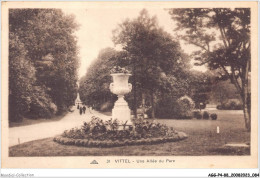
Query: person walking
{"type": "Point", "coordinates": [90, 109]}
{"type": "Point", "coordinates": [84, 109]}
{"type": "Point", "coordinates": [80, 110]}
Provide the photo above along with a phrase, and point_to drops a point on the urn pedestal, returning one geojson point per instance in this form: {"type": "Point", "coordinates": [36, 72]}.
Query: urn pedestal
{"type": "Point", "coordinates": [120, 87]}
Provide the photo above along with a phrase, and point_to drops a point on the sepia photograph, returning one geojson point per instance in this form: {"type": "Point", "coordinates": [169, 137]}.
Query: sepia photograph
{"type": "Point", "coordinates": [124, 84]}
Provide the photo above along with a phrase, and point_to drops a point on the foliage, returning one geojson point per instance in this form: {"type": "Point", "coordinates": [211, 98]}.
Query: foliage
{"type": "Point", "coordinates": [223, 91]}
{"type": "Point", "coordinates": [214, 116]}
{"type": "Point", "coordinates": [99, 133]}
{"type": "Point", "coordinates": [115, 143]}
{"type": "Point", "coordinates": [166, 108]}
{"type": "Point", "coordinates": [97, 129]}
{"type": "Point", "coordinates": [118, 69]}
{"type": "Point", "coordinates": [21, 79]}
{"type": "Point", "coordinates": [41, 105]}
{"type": "Point", "coordinates": [197, 114]}
{"type": "Point", "coordinates": [219, 107]}
{"type": "Point", "coordinates": [232, 104]}
{"type": "Point", "coordinates": [185, 107]}
{"type": "Point", "coordinates": [205, 115]}
{"type": "Point", "coordinates": [155, 58]}
{"type": "Point", "coordinates": [180, 108]}
{"type": "Point", "coordinates": [46, 36]}
{"type": "Point", "coordinates": [230, 53]}
{"type": "Point", "coordinates": [94, 86]}
{"type": "Point", "coordinates": [200, 87]}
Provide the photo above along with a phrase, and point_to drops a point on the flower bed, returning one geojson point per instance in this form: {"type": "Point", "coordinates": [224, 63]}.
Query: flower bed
{"type": "Point", "coordinates": [98, 133]}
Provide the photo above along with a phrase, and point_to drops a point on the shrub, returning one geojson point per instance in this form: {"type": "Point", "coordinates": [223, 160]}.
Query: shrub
{"type": "Point", "coordinates": [185, 107]}
{"type": "Point", "coordinates": [214, 116]}
{"type": "Point", "coordinates": [41, 105]}
{"type": "Point", "coordinates": [170, 107]}
{"type": "Point", "coordinates": [166, 108]}
{"type": "Point", "coordinates": [231, 104]}
{"type": "Point", "coordinates": [197, 114]}
{"type": "Point", "coordinates": [97, 129]}
{"type": "Point", "coordinates": [205, 115]}
{"type": "Point", "coordinates": [219, 107]}
{"type": "Point", "coordinates": [234, 104]}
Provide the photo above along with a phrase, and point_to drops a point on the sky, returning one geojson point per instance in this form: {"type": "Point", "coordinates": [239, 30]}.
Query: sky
{"type": "Point", "coordinates": [96, 26]}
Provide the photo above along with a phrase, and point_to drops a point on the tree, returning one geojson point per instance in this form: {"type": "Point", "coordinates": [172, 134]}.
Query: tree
{"type": "Point", "coordinates": [230, 52]}
{"type": "Point", "coordinates": [51, 48]}
{"type": "Point", "coordinates": [200, 85]}
{"type": "Point", "coordinates": [155, 58]}
{"type": "Point", "coordinates": [222, 91]}
{"type": "Point", "coordinates": [21, 79]}
{"type": "Point", "coordinates": [94, 86]}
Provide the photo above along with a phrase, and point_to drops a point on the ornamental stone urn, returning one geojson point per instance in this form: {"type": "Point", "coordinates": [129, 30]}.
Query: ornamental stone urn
{"type": "Point", "coordinates": [120, 87]}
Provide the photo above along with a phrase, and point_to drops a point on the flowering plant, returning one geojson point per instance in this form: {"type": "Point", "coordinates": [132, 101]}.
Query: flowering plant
{"type": "Point", "coordinates": [118, 69]}
{"type": "Point", "coordinates": [98, 129]}
{"type": "Point", "coordinates": [97, 133]}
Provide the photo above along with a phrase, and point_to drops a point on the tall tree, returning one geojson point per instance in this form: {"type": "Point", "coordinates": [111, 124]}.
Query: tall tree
{"type": "Point", "coordinates": [154, 55]}
{"type": "Point", "coordinates": [230, 52]}
{"type": "Point", "coordinates": [21, 79]}
{"type": "Point", "coordinates": [94, 86]}
{"type": "Point", "coordinates": [48, 37]}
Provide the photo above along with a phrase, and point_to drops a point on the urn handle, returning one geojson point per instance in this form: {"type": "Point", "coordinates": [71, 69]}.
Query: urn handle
{"type": "Point", "coordinates": [130, 86]}
{"type": "Point", "coordinates": [111, 87]}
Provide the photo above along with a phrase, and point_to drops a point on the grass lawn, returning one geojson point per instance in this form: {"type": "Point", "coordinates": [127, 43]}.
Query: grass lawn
{"type": "Point", "coordinates": [202, 140]}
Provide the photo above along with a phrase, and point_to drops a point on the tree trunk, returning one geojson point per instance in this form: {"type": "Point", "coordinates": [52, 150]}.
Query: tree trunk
{"type": "Point", "coordinates": [134, 88]}
{"type": "Point", "coordinates": [143, 103]}
{"type": "Point", "coordinates": [246, 111]}
{"type": "Point", "coordinates": [243, 90]}
{"type": "Point", "coordinates": [244, 93]}
{"type": "Point", "coordinates": [246, 99]}
{"type": "Point", "coordinates": [246, 106]}
{"type": "Point", "coordinates": [152, 103]}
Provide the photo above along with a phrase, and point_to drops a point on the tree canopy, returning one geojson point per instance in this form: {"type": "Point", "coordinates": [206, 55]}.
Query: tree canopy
{"type": "Point", "coordinates": [94, 86]}
{"type": "Point", "coordinates": [157, 61]}
{"type": "Point", "coordinates": [158, 65]}
{"type": "Point", "coordinates": [222, 36]}
{"type": "Point", "coordinates": [42, 44]}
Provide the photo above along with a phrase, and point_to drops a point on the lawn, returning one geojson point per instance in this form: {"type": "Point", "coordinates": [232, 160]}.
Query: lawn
{"type": "Point", "coordinates": [202, 140]}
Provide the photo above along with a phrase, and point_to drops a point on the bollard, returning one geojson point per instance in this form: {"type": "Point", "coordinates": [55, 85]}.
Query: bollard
{"type": "Point", "coordinates": [217, 129]}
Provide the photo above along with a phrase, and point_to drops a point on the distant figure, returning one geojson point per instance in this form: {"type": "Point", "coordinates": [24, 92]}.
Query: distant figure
{"type": "Point", "coordinates": [78, 106]}
{"type": "Point", "coordinates": [80, 110]}
{"type": "Point", "coordinates": [90, 109]}
{"type": "Point", "coordinates": [84, 109]}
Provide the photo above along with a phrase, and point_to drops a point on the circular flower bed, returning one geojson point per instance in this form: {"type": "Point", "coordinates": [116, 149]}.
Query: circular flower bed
{"type": "Point", "coordinates": [111, 133]}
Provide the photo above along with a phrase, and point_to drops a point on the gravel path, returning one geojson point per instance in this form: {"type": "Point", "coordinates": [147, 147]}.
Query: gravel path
{"type": "Point", "coordinates": [73, 119]}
